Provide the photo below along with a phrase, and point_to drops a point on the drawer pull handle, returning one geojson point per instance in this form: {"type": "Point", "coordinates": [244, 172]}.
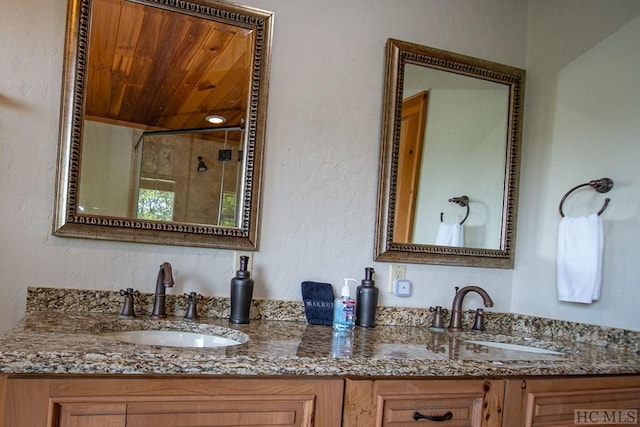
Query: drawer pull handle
{"type": "Point", "coordinates": [446, 417]}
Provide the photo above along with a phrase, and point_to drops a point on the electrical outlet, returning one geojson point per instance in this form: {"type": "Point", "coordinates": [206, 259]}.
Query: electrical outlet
{"type": "Point", "coordinates": [396, 272]}
{"type": "Point", "coordinates": [236, 260]}
{"type": "Point", "coordinates": [402, 288]}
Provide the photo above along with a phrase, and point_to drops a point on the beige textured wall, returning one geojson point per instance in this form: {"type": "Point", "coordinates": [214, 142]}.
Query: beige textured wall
{"type": "Point", "coordinates": [320, 162]}
{"type": "Point", "coordinates": [581, 124]}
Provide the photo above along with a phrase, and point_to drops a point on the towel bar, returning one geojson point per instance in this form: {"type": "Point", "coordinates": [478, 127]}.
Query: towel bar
{"type": "Point", "coordinates": [602, 185]}
{"type": "Point", "coordinates": [463, 201]}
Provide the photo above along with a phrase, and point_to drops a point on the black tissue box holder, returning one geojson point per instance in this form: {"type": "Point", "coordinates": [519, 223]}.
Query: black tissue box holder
{"type": "Point", "coordinates": [318, 302]}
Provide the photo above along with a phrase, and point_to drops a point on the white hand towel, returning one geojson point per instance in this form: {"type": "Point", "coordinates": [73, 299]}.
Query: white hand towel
{"type": "Point", "coordinates": [450, 235]}
{"type": "Point", "coordinates": [580, 245]}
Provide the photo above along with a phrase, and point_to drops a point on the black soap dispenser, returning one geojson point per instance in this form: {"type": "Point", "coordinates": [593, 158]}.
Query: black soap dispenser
{"type": "Point", "coordinates": [241, 293]}
{"type": "Point", "coordinates": [367, 300]}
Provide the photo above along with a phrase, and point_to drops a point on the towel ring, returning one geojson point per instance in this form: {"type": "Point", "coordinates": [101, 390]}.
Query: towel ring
{"type": "Point", "coordinates": [462, 201]}
{"type": "Point", "coordinates": [602, 185]}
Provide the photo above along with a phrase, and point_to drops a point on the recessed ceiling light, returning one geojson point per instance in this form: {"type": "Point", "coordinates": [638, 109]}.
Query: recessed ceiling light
{"type": "Point", "coordinates": [215, 119]}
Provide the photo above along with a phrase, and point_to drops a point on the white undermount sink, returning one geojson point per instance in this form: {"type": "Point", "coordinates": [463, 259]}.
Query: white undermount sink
{"type": "Point", "coordinates": [171, 338]}
{"type": "Point", "coordinates": [514, 347]}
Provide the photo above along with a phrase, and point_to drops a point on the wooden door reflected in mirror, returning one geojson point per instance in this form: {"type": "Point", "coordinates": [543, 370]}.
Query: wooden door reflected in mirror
{"type": "Point", "coordinates": [412, 130]}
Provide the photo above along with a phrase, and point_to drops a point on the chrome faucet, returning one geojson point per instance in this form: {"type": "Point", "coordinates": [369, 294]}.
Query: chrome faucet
{"type": "Point", "coordinates": [456, 309]}
{"type": "Point", "coordinates": [164, 280]}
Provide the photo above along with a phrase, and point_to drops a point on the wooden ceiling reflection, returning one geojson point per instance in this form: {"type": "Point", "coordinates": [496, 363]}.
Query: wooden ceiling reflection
{"type": "Point", "coordinates": [155, 69]}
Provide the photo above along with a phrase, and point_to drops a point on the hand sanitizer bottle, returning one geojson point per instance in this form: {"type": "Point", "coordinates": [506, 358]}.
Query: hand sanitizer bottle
{"type": "Point", "coordinates": [344, 309]}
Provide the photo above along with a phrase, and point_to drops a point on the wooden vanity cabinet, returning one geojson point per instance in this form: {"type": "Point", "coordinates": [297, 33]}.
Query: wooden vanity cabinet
{"type": "Point", "coordinates": [546, 402]}
{"type": "Point", "coordinates": [451, 402]}
{"type": "Point", "coordinates": [108, 401]}
{"type": "Point", "coordinates": [141, 401]}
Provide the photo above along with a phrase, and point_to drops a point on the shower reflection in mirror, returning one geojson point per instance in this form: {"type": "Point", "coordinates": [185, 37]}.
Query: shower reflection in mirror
{"type": "Point", "coordinates": [157, 180]}
{"type": "Point", "coordinates": [202, 166]}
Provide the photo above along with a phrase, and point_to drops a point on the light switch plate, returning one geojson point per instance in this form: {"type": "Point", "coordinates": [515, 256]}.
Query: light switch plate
{"type": "Point", "coordinates": [396, 272]}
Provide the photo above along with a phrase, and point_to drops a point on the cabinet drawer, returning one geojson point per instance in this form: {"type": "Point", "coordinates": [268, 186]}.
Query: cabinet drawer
{"type": "Point", "coordinates": [461, 410]}
{"type": "Point", "coordinates": [468, 403]}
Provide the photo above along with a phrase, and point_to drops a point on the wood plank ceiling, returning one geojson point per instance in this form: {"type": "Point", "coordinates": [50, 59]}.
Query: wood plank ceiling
{"type": "Point", "coordinates": [154, 69]}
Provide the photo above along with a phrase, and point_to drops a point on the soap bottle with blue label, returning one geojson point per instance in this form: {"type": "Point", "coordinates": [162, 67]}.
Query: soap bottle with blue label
{"type": "Point", "coordinates": [344, 309]}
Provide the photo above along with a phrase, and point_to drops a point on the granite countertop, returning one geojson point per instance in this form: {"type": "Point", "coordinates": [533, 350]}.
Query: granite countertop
{"type": "Point", "coordinates": [60, 342]}
{"type": "Point", "coordinates": [61, 333]}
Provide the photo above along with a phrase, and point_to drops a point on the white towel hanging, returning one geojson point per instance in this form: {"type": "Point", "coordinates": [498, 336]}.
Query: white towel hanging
{"type": "Point", "coordinates": [450, 235]}
{"type": "Point", "coordinates": [580, 247]}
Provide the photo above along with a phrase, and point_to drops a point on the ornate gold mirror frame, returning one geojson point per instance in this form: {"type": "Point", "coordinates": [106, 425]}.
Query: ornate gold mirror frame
{"type": "Point", "coordinates": [69, 218]}
{"type": "Point", "coordinates": [402, 249]}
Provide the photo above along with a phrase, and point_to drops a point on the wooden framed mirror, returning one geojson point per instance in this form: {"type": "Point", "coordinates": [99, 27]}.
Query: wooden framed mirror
{"type": "Point", "coordinates": [140, 159]}
{"type": "Point", "coordinates": [449, 158]}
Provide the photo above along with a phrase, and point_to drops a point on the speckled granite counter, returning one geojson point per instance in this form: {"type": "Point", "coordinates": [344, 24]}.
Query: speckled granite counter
{"type": "Point", "coordinates": [57, 341]}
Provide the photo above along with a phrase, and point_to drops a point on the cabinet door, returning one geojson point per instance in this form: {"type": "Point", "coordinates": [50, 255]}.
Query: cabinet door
{"type": "Point", "coordinates": [557, 402]}
{"type": "Point", "coordinates": [105, 401]}
{"type": "Point", "coordinates": [25, 402]}
{"type": "Point", "coordinates": [469, 403]}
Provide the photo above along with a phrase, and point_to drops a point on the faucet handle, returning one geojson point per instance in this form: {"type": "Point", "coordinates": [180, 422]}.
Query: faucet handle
{"type": "Point", "coordinates": [128, 312]}
{"type": "Point", "coordinates": [193, 297]}
{"type": "Point", "coordinates": [192, 305]}
{"type": "Point", "coordinates": [437, 317]}
{"type": "Point", "coordinates": [478, 324]}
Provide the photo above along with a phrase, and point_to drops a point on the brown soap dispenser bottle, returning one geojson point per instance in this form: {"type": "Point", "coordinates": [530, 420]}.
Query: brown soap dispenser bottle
{"type": "Point", "coordinates": [367, 300]}
{"type": "Point", "coordinates": [241, 293]}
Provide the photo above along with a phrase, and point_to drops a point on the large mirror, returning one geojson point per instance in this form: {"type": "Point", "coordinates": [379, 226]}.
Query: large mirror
{"type": "Point", "coordinates": [163, 122]}
{"type": "Point", "coordinates": [449, 158]}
